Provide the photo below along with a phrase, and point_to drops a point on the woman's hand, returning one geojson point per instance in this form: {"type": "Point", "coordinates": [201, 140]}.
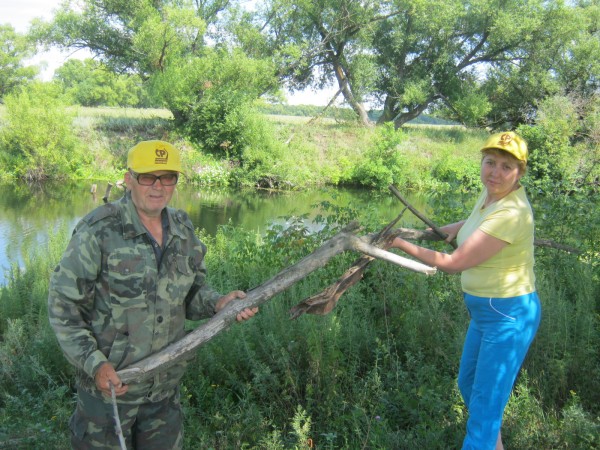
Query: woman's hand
{"type": "Point", "coordinates": [451, 230]}
{"type": "Point", "coordinates": [478, 248]}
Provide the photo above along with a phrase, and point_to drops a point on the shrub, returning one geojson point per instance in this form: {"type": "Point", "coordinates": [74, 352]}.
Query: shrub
{"type": "Point", "coordinates": [383, 164]}
{"type": "Point", "coordinates": [38, 138]}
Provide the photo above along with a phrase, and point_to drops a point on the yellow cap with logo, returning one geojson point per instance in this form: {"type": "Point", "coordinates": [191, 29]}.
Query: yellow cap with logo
{"type": "Point", "coordinates": [509, 142]}
{"type": "Point", "coordinates": [150, 156]}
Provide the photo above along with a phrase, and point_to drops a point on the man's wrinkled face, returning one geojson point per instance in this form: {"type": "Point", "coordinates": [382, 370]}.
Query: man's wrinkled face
{"type": "Point", "coordinates": [148, 191]}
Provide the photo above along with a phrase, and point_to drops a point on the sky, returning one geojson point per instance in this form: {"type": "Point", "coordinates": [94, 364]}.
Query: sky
{"type": "Point", "coordinates": [19, 14]}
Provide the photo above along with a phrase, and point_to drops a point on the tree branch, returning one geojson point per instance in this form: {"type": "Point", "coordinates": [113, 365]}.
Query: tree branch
{"type": "Point", "coordinates": [343, 241]}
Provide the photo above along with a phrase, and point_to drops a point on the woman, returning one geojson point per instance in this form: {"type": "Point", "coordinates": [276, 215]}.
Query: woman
{"type": "Point", "coordinates": [495, 257]}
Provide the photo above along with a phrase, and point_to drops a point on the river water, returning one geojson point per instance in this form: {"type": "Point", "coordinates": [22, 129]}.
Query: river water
{"type": "Point", "coordinates": [29, 214]}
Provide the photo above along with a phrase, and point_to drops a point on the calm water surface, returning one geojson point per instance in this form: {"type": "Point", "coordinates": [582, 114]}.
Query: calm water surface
{"type": "Point", "coordinates": [29, 215]}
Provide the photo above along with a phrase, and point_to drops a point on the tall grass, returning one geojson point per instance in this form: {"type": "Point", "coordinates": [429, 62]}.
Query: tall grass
{"type": "Point", "coordinates": [377, 372]}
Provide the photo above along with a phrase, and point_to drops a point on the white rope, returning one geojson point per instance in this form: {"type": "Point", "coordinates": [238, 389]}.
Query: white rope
{"type": "Point", "coordinates": [118, 428]}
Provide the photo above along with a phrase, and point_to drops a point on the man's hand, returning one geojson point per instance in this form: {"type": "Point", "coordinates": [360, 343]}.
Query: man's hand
{"type": "Point", "coordinates": [245, 314]}
{"type": "Point", "coordinates": [107, 373]}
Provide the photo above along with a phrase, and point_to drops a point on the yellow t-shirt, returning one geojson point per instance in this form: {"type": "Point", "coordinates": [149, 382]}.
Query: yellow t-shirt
{"type": "Point", "coordinates": [510, 272]}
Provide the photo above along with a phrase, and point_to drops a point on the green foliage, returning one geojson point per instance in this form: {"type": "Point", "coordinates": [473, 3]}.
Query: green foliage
{"type": "Point", "coordinates": [35, 403]}
{"type": "Point", "coordinates": [564, 145]}
{"type": "Point", "coordinates": [90, 83]}
{"type": "Point", "coordinates": [212, 100]}
{"type": "Point", "coordinates": [37, 136]}
{"type": "Point", "coordinates": [142, 37]}
{"type": "Point", "coordinates": [377, 372]}
{"type": "Point", "coordinates": [383, 164]}
{"type": "Point", "coordinates": [206, 170]}
{"type": "Point", "coordinates": [457, 170]}
{"type": "Point", "coordinates": [486, 63]}
{"type": "Point", "coordinates": [15, 49]}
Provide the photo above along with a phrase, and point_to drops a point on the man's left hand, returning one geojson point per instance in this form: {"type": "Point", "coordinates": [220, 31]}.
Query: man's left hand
{"type": "Point", "coordinates": [245, 314]}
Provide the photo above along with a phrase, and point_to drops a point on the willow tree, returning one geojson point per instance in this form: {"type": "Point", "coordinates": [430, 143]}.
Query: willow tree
{"type": "Point", "coordinates": [440, 51]}
{"type": "Point", "coordinates": [132, 35]}
{"type": "Point", "coordinates": [318, 43]}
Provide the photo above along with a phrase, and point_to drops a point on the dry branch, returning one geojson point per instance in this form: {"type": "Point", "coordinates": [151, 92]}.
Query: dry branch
{"type": "Point", "coordinates": [324, 302]}
{"type": "Point", "coordinates": [417, 213]}
{"type": "Point", "coordinates": [344, 241]}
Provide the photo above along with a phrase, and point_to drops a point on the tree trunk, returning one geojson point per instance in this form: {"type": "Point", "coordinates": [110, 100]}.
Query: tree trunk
{"type": "Point", "coordinates": [344, 85]}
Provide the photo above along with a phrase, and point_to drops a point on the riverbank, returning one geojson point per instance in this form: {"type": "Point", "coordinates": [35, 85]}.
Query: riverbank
{"type": "Point", "coordinates": [298, 152]}
{"type": "Point", "coordinates": [286, 152]}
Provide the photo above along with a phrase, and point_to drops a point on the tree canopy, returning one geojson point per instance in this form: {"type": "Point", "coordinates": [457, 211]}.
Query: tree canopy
{"type": "Point", "coordinates": [479, 62]}
{"type": "Point", "coordinates": [14, 51]}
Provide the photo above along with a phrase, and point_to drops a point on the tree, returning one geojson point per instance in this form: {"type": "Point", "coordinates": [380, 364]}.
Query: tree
{"type": "Point", "coordinates": [37, 137]}
{"type": "Point", "coordinates": [429, 59]}
{"type": "Point", "coordinates": [563, 59]}
{"type": "Point", "coordinates": [212, 98]}
{"type": "Point", "coordinates": [14, 50]}
{"type": "Point", "coordinates": [315, 43]}
{"type": "Point", "coordinates": [90, 83]}
{"type": "Point", "coordinates": [167, 44]}
{"type": "Point", "coordinates": [140, 36]}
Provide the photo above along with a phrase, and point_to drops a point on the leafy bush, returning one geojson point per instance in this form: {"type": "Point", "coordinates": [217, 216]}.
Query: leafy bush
{"type": "Point", "coordinates": [90, 83]}
{"type": "Point", "coordinates": [553, 161]}
{"type": "Point", "coordinates": [38, 138]}
{"type": "Point", "coordinates": [457, 170]}
{"type": "Point", "coordinates": [212, 99]}
{"type": "Point", "coordinates": [382, 164]}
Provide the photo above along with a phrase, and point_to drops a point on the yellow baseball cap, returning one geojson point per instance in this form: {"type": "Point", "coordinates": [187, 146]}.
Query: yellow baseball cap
{"type": "Point", "coordinates": [149, 156]}
{"type": "Point", "coordinates": [509, 142]}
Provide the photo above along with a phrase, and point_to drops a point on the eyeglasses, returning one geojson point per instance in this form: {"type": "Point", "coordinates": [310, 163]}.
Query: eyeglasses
{"type": "Point", "coordinates": [148, 179]}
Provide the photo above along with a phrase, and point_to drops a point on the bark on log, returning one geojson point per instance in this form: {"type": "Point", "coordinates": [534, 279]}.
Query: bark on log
{"type": "Point", "coordinates": [344, 241]}
{"type": "Point", "coordinates": [324, 302]}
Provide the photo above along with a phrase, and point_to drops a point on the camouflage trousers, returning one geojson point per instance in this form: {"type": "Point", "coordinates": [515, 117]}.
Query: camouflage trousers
{"type": "Point", "coordinates": [148, 426]}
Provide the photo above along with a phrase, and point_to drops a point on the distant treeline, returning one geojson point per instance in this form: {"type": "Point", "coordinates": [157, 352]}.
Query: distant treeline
{"type": "Point", "coordinates": [335, 112]}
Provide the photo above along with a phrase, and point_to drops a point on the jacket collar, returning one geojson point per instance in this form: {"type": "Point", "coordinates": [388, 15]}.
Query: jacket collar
{"type": "Point", "coordinates": [132, 225]}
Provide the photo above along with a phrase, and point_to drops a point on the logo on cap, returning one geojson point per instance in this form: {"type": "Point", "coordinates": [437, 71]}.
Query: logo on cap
{"type": "Point", "coordinates": [505, 140]}
{"type": "Point", "coordinates": [162, 156]}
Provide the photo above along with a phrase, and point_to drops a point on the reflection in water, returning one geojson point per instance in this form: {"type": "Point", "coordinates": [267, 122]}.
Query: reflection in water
{"type": "Point", "coordinates": [28, 214]}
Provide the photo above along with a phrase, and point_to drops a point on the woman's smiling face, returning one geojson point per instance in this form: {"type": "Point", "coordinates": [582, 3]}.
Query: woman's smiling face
{"type": "Point", "coordinates": [500, 174]}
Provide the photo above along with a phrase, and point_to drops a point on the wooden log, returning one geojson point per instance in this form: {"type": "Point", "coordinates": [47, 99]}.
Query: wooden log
{"type": "Point", "coordinates": [324, 302]}
{"type": "Point", "coordinates": [182, 349]}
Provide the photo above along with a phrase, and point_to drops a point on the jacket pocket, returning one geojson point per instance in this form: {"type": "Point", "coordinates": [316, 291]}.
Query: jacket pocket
{"type": "Point", "coordinates": [127, 279]}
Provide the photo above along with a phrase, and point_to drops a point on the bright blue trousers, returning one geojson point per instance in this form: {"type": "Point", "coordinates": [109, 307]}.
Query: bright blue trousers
{"type": "Point", "coordinates": [499, 335]}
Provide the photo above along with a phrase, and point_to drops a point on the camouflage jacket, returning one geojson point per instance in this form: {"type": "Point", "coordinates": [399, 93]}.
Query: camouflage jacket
{"type": "Point", "coordinates": [109, 301]}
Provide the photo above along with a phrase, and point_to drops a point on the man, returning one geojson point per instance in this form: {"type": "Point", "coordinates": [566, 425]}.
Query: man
{"type": "Point", "coordinates": [131, 275]}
